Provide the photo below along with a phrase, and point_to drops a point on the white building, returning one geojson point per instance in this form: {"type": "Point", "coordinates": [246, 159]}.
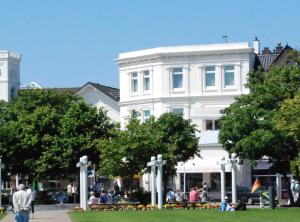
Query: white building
{"type": "Point", "coordinates": [197, 81]}
{"type": "Point", "coordinates": [102, 96]}
{"type": "Point", "coordinates": [9, 74]}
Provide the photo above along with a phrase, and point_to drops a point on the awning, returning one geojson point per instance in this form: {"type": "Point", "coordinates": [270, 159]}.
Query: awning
{"type": "Point", "coordinates": [201, 166]}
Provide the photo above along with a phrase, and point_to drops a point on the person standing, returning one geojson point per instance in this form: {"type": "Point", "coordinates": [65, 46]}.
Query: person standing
{"type": "Point", "coordinates": [74, 191]}
{"type": "Point", "coordinates": [21, 201]}
{"type": "Point", "coordinates": [296, 191]}
{"type": "Point", "coordinates": [32, 193]}
{"type": "Point", "coordinates": [69, 192]}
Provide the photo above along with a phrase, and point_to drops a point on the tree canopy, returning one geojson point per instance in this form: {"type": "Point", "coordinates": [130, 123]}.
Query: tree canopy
{"type": "Point", "coordinates": [250, 126]}
{"type": "Point", "coordinates": [129, 150]}
{"type": "Point", "coordinates": [44, 132]}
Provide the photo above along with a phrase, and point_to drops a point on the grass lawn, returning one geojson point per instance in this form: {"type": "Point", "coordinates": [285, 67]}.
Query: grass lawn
{"type": "Point", "coordinates": [2, 215]}
{"type": "Point", "coordinates": [251, 215]}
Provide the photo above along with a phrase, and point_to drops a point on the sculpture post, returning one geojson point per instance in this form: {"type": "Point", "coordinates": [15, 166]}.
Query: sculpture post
{"type": "Point", "coordinates": [160, 163]}
{"type": "Point", "coordinates": [152, 163]}
{"type": "Point", "coordinates": [83, 164]}
{"type": "Point", "coordinates": [233, 179]}
{"type": "Point", "coordinates": [1, 167]}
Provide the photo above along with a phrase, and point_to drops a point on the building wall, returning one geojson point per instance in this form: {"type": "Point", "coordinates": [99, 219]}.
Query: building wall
{"type": "Point", "coordinates": [9, 74]}
{"type": "Point", "coordinates": [95, 97]}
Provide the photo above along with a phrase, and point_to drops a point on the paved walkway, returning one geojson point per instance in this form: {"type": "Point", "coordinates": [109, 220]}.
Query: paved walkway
{"type": "Point", "coordinates": [43, 216]}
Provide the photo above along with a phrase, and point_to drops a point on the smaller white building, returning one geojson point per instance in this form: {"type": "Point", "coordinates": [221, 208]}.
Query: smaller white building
{"type": "Point", "coordinates": [102, 96]}
{"type": "Point", "coordinates": [9, 74]}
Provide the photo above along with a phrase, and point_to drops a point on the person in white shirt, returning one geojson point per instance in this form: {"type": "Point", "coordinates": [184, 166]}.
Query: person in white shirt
{"type": "Point", "coordinates": [21, 202]}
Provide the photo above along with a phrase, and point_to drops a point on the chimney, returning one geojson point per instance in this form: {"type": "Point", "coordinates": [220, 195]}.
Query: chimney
{"type": "Point", "coordinates": [256, 46]}
{"type": "Point", "coordinates": [266, 51]}
{"type": "Point", "coordinates": [279, 48]}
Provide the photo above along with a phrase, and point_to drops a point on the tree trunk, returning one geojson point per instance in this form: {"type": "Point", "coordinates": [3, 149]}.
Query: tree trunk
{"type": "Point", "coordinates": [289, 189]}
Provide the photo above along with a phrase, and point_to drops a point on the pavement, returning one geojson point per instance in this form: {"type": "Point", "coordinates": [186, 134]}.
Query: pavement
{"type": "Point", "coordinates": [42, 216]}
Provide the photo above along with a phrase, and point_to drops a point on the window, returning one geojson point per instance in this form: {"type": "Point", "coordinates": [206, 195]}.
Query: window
{"type": "Point", "coordinates": [12, 92]}
{"type": "Point", "coordinates": [177, 111]}
{"type": "Point", "coordinates": [229, 76]}
{"type": "Point", "coordinates": [146, 81]}
{"type": "Point", "coordinates": [134, 82]}
{"type": "Point", "coordinates": [212, 124]}
{"type": "Point", "coordinates": [146, 115]}
{"type": "Point", "coordinates": [135, 114]}
{"type": "Point", "coordinates": [210, 76]}
{"type": "Point", "coordinates": [177, 77]}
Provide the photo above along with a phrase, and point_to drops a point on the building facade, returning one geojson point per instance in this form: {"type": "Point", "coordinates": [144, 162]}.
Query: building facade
{"type": "Point", "coordinates": [197, 81]}
{"type": "Point", "coordinates": [9, 74]}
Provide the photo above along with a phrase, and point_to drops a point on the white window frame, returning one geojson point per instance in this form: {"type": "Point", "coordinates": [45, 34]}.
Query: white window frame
{"type": "Point", "coordinates": [177, 73]}
{"type": "Point", "coordinates": [234, 77]}
{"type": "Point", "coordinates": [146, 75]}
{"type": "Point", "coordinates": [132, 79]}
{"type": "Point", "coordinates": [213, 124]}
{"type": "Point", "coordinates": [209, 72]}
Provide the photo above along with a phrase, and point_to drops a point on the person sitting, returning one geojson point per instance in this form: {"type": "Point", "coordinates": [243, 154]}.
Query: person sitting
{"type": "Point", "coordinates": [226, 205]}
{"type": "Point", "coordinates": [103, 197]}
{"type": "Point", "coordinates": [240, 205]}
{"type": "Point", "coordinates": [93, 200]}
{"type": "Point", "coordinates": [170, 197]}
{"type": "Point", "coordinates": [193, 196]}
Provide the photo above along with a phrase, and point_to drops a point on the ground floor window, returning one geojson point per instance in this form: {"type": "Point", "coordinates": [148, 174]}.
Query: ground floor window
{"type": "Point", "coordinates": [191, 180]}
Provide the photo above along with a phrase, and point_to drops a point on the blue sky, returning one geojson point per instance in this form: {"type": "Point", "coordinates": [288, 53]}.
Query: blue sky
{"type": "Point", "coordinates": [66, 43]}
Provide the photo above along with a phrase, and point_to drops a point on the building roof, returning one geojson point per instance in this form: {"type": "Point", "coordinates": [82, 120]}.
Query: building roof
{"type": "Point", "coordinates": [266, 60]}
{"type": "Point", "coordinates": [111, 92]}
{"type": "Point", "coordinates": [187, 49]}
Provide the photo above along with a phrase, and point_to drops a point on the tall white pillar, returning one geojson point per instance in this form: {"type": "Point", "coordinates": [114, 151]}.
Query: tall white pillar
{"type": "Point", "coordinates": [83, 164]}
{"type": "Point", "coordinates": [184, 179]}
{"type": "Point", "coordinates": [0, 183]}
{"type": "Point", "coordinates": [233, 179]}
{"type": "Point", "coordinates": [81, 186]}
{"type": "Point", "coordinates": [159, 181]}
{"type": "Point", "coordinates": [153, 188]}
{"type": "Point", "coordinates": [223, 182]}
{"type": "Point", "coordinates": [279, 186]}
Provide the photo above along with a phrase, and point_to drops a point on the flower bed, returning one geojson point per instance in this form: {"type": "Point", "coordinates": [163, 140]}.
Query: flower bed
{"type": "Point", "coordinates": [134, 207]}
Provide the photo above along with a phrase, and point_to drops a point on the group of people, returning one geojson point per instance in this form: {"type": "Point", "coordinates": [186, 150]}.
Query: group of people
{"type": "Point", "coordinates": [23, 201]}
{"type": "Point", "coordinates": [196, 194]}
{"type": "Point", "coordinates": [227, 205]}
{"type": "Point", "coordinates": [72, 191]}
{"type": "Point", "coordinates": [199, 194]}
{"type": "Point", "coordinates": [99, 195]}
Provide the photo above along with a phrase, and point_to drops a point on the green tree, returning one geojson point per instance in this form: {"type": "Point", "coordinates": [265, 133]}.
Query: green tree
{"type": "Point", "coordinates": [287, 120]}
{"type": "Point", "coordinates": [44, 132]}
{"type": "Point", "coordinates": [128, 152]}
{"type": "Point", "coordinates": [248, 127]}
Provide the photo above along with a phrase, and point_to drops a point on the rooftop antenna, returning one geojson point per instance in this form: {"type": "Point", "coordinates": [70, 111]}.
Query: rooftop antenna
{"type": "Point", "coordinates": [225, 37]}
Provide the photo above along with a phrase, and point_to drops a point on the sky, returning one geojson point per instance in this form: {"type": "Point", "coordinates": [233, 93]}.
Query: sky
{"type": "Point", "coordinates": [66, 43]}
